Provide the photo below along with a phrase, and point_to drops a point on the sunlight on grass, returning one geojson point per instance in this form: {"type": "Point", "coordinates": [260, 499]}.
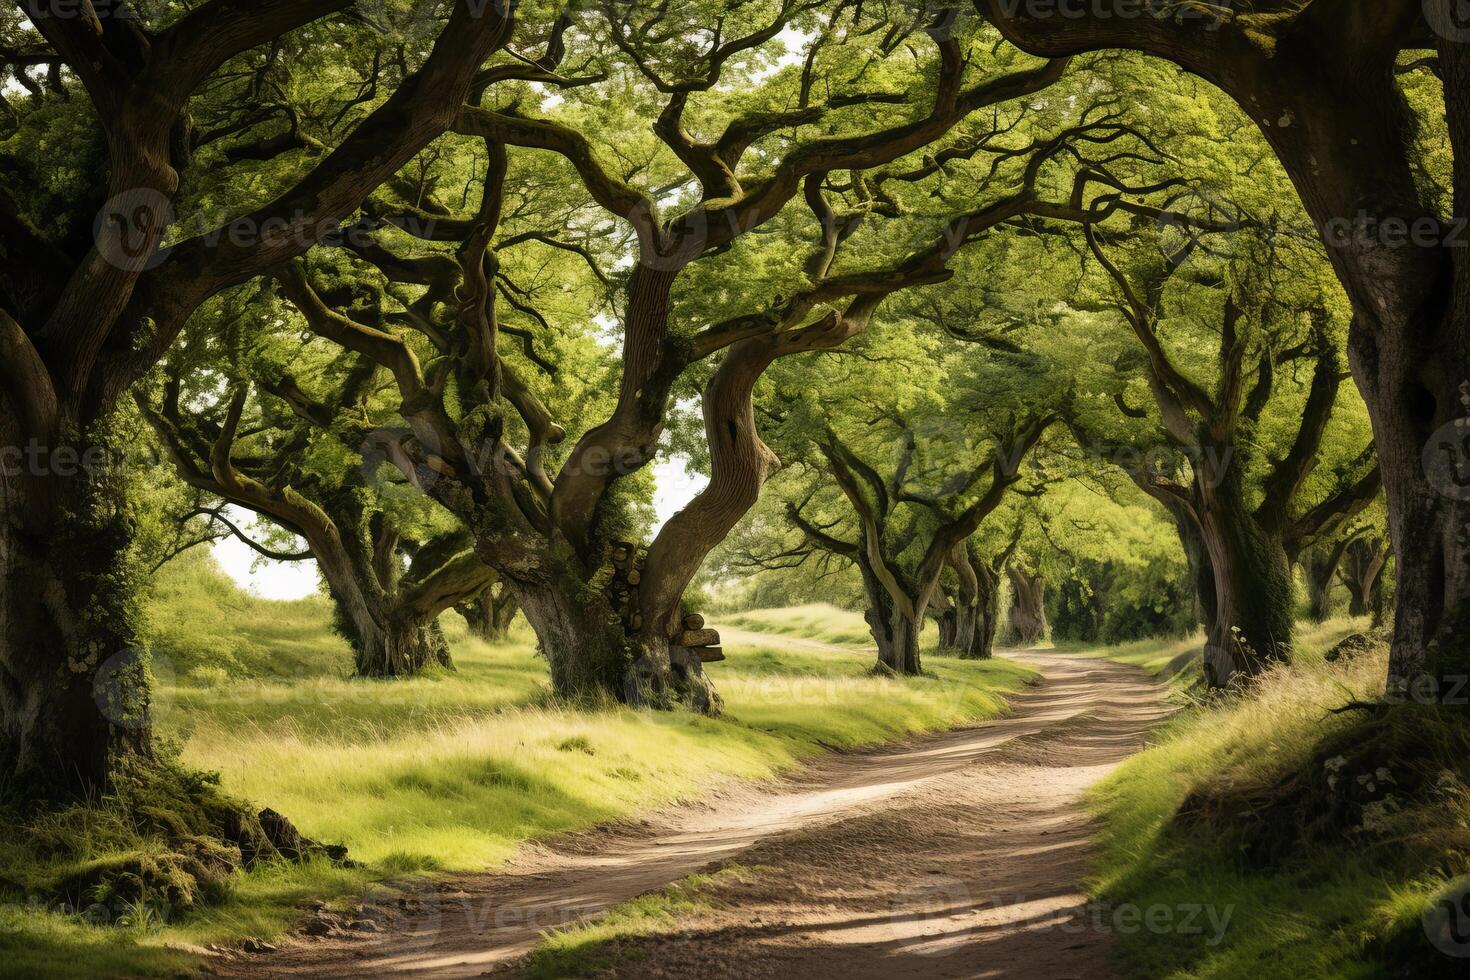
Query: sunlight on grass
{"type": "Point", "coordinates": [454, 770]}
{"type": "Point", "coordinates": [1178, 658]}
{"type": "Point", "coordinates": [460, 768]}
{"type": "Point", "coordinates": [1310, 917]}
{"type": "Point", "coordinates": [585, 950]}
{"type": "Point", "coordinates": [816, 621]}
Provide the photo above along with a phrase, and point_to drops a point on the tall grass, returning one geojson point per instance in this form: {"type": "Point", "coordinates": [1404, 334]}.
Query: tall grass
{"type": "Point", "coordinates": [1325, 909]}
{"type": "Point", "coordinates": [455, 770]}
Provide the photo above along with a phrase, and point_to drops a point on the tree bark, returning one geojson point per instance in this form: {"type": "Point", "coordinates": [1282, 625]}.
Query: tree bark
{"type": "Point", "coordinates": [987, 614]}
{"type": "Point", "coordinates": [1321, 569]}
{"type": "Point", "coordinates": [1197, 554]}
{"type": "Point", "coordinates": [73, 673]}
{"type": "Point", "coordinates": [1028, 606]}
{"type": "Point", "coordinates": [1254, 622]}
{"type": "Point", "coordinates": [579, 634]}
{"type": "Point", "coordinates": [894, 633]}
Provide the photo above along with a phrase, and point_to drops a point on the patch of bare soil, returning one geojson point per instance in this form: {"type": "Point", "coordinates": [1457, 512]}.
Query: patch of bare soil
{"type": "Point", "coordinates": [954, 855]}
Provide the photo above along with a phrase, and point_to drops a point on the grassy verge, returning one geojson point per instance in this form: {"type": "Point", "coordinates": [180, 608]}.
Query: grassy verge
{"type": "Point", "coordinates": [587, 949]}
{"type": "Point", "coordinates": [453, 771]}
{"type": "Point", "coordinates": [1322, 835]}
{"type": "Point", "coordinates": [1177, 659]}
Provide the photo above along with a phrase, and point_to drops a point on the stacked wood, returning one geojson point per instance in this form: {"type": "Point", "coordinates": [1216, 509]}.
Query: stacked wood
{"type": "Point", "coordinates": [680, 654]}
{"type": "Point", "coordinates": [693, 646]}
{"type": "Point", "coordinates": [627, 565]}
{"type": "Point", "coordinates": [699, 638]}
{"type": "Point", "coordinates": [700, 644]}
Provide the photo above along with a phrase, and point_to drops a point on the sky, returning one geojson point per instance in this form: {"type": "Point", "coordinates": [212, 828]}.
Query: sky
{"type": "Point", "coordinates": [674, 487]}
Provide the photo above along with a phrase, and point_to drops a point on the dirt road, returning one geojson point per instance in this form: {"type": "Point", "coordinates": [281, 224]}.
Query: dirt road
{"type": "Point", "coordinates": [955, 855]}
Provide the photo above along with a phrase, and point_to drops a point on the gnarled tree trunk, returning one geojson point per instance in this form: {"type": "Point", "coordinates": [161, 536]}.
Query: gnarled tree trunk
{"type": "Point", "coordinates": [1028, 606]}
{"type": "Point", "coordinates": [1321, 569]}
{"type": "Point", "coordinates": [987, 614]}
{"type": "Point", "coordinates": [895, 634]}
{"type": "Point", "coordinates": [578, 632]}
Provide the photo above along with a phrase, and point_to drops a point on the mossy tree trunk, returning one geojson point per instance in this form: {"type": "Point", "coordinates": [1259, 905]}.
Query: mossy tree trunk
{"type": "Point", "coordinates": [1321, 567]}
{"type": "Point", "coordinates": [1254, 623]}
{"type": "Point", "coordinates": [895, 632]}
{"type": "Point", "coordinates": [988, 625]}
{"type": "Point", "coordinates": [74, 675]}
{"type": "Point", "coordinates": [980, 591]}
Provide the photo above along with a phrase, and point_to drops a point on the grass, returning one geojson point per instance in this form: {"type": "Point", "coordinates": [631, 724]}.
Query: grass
{"type": "Point", "coordinates": [1327, 906]}
{"type": "Point", "coordinates": [816, 621]}
{"type": "Point", "coordinates": [1178, 658]}
{"type": "Point", "coordinates": [454, 771]}
{"type": "Point", "coordinates": [587, 949]}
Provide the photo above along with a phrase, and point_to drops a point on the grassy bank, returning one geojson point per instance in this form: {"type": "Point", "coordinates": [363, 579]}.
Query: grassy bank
{"type": "Point", "coordinates": [1178, 658]}
{"type": "Point", "coordinates": [1324, 833]}
{"type": "Point", "coordinates": [446, 772]}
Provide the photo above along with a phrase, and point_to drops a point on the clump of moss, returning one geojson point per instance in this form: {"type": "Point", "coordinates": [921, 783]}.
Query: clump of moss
{"type": "Point", "coordinates": [165, 837]}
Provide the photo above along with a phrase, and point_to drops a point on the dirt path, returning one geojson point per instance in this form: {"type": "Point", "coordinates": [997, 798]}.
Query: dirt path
{"type": "Point", "coordinates": [959, 854]}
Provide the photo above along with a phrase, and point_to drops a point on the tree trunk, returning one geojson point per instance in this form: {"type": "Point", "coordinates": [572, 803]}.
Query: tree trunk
{"type": "Point", "coordinates": [964, 613]}
{"type": "Point", "coordinates": [490, 614]}
{"type": "Point", "coordinates": [74, 681]}
{"type": "Point", "coordinates": [1254, 621]}
{"type": "Point", "coordinates": [1321, 572]}
{"type": "Point", "coordinates": [948, 621]}
{"type": "Point", "coordinates": [987, 614]}
{"type": "Point", "coordinates": [1201, 573]}
{"type": "Point", "coordinates": [1362, 573]}
{"type": "Point", "coordinates": [401, 647]}
{"type": "Point", "coordinates": [1028, 606]}
{"type": "Point", "coordinates": [896, 636]}
{"type": "Point", "coordinates": [898, 646]}
{"type": "Point", "coordinates": [578, 633]}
